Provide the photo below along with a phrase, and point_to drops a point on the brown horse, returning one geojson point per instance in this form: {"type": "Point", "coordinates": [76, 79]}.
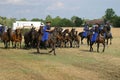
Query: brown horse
{"type": "Point", "coordinates": [99, 39]}
{"type": "Point", "coordinates": [38, 38]}
{"type": "Point", "coordinates": [51, 40]}
{"type": "Point", "coordinates": [29, 38]}
{"type": "Point", "coordinates": [6, 37]}
{"type": "Point", "coordinates": [16, 37]}
{"type": "Point", "coordinates": [107, 34]}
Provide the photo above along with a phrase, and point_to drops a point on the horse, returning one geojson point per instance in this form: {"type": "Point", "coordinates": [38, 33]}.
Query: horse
{"type": "Point", "coordinates": [66, 37]}
{"type": "Point", "coordinates": [107, 34]}
{"type": "Point", "coordinates": [52, 39]}
{"type": "Point", "coordinates": [99, 39]}
{"type": "Point", "coordinates": [29, 38]}
{"type": "Point", "coordinates": [74, 38]}
{"type": "Point", "coordinates": [85, 35]}
{"type": "Point", "coordinates": [60, 38]}
{"type": "Point", "coordinates": [16, 37]}
{"type": "Point", "coordinates": [6, 37]}
{"type": "Point", "coordinates": [38, 38]}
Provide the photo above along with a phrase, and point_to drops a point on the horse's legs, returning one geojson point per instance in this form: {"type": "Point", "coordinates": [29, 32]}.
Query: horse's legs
{"type": "Point", "coordinates": [38, 45]}
{"type": "Point", "coordinates": [103, 46]}
{"type": "Point", "coordinates": [53, 48]}
{"type": "Point", "coordinates": [82, 40]}
{"type": "Point", "coordinates": [91, 48]}
{"type": "Point", "coordinates": [98, 47]}
{"type": "Point", "coordinates": [88, 41]}
{"type": "Point", "coordinates": [71, 44]}
{"type": "Point", "coordinates": [5, 43]}
{"type": "Point", "coordinates": [110, 41]}
{"type": "Point", "coordinates": [78, 44]}
{"type": "Point", "coordinates": [107, 41]}
{"type": "Point", "coordinates": [20, 44]}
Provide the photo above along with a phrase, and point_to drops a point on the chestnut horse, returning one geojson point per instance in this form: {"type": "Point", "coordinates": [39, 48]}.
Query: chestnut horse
{"type": "Point", "coordinates": [16, 37]}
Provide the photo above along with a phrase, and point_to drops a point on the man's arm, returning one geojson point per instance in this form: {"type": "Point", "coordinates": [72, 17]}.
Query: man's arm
{"type": "Point", "coordinates": [49, 30]}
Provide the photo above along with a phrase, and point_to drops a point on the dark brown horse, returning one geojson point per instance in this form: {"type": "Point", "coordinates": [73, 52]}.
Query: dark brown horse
{"type": "Point", "coordinates": [88, 33]}
{"type": "Point", "coordinates": [6, 37]}
{"type": "Point", "coordinates": [29, 38]}
{"type": "Point", "coordinates": [100, 39]}
{"type": "Point", "coordinates": [107, 34]}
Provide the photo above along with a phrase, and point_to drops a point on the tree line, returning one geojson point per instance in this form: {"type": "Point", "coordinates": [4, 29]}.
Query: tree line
{"type": "Point", "coordinates": [75, 21]}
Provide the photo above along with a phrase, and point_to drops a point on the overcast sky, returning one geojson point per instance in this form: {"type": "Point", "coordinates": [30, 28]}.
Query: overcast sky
{"type": "Point", "coordinates": [88, 9]}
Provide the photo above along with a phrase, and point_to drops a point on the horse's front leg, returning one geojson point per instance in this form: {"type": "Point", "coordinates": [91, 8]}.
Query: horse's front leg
{"type": "Point", "coordinates": [53, 49]}
{"type": "Point", "coordinates": [88, 41]}
{"type": "Point", "coordinates": [107, 41]}
{"type": "Point", "coordinates": [91, 48]}
{"type": "Point", "coordinates": [38, 45]}
{"type": "Point", "coordinates": [98, 44]}
{"type": "Point", "coordinates": [20, 44]}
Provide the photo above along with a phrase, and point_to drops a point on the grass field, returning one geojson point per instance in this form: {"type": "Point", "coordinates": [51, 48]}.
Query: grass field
{"type": "Point", "coordinates": [69, 64]}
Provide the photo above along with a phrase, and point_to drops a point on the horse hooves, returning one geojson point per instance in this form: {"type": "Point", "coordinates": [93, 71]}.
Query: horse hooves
{"type": "Point", "coordinates": [38, 52]}
{"type": "Point", "coordinates": [49, 51]}
{"type": "Point", "coordinates": [54, 54]}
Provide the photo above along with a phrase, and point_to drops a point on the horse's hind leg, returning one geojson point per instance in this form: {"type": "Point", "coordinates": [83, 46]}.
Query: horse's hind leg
{"type": "Point", "coordinates": [91, 48]}
{"type": "Point", "coordinates": [53, 49]}
{"type": "Point", "coordinates": [103, 47]}
{"type": "Point", "coordinates": [110, 41]}
{"type": "Point", "coordinates": [82, 40]}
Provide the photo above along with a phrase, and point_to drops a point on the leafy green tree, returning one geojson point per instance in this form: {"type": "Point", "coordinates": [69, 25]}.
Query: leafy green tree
{"type": "Point", "coordinates": [56, 21]}
{"type": "Point", "coordinates": [23, 19]}
{"type": "Point", "coordinates": [109, 14]}
{"type": "Point", "coordinates": [116, 21]}
{"type": "Point", "coordinates": [35, 19]}
{"type": "Point", "coordinates": [78, 22]}
{"type": "Point", "coordinates": [48, 18]}
{"type": "Point", "coordinates": [66, 23]}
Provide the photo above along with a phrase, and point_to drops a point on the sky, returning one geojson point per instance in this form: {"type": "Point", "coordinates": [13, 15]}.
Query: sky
{"type": "Point", "coordinates": [87, 9]}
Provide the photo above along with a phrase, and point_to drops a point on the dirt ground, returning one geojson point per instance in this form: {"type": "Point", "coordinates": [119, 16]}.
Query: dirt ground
{"type": "Point", "coordinates": [69, 64]}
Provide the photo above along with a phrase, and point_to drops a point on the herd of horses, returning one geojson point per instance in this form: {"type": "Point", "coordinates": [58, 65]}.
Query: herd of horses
{"type": "Point", "coordinates": [57, 38]}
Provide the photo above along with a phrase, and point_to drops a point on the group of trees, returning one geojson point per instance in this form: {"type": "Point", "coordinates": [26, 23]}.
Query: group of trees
{"type": "Point", "coordinates": [75, 21]}
{"type": "Point", "coordinates": [111, 17]}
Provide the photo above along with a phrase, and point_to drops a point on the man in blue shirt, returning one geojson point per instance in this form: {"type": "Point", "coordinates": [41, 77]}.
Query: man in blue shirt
{"type": "Point", "coordinates": [46, 32]}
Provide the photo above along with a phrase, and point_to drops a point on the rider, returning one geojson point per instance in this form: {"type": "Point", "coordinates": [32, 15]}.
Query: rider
{"type": "Point", "coordinates": [46, 31]}
{"type": "Point", "coordinates": [96, 32]}
{"type": "Point", "coordinates": [108, 27]}
{"type": "Point", "coordinates": [86, 29]}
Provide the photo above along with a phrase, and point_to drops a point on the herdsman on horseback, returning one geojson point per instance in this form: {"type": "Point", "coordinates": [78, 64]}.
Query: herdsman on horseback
{"type": "Point", "coordinates": [108, 34]}
{"type": "Point", "coordinates": [86, 29]}
{"type": "Point", "coordinates": [96, 32]}
{"type": "Point", "coordinates": [46, 32]}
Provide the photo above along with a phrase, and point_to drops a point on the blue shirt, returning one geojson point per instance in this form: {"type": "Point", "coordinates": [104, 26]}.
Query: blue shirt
{"type": "Point", "coordinates": [45, 33]}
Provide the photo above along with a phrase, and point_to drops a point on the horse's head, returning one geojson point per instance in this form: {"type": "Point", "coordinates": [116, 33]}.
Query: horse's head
{"type": "Point", "coordinates": [9, 30]}
{"type": "Point", "coordinates": [40, 31]}
{"type": "Point", "coordinates": [18, 31]}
